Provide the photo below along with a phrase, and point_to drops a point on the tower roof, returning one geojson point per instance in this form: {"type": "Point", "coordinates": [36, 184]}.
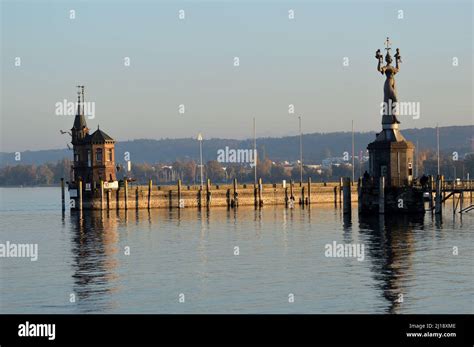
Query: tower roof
{"type": "Point", "coordinates": [79, 122]}
{"type": "Point", "coordinates": [99, 137]}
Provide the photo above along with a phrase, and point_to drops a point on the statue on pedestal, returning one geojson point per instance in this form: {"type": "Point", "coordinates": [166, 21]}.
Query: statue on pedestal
{"type": "Point", "coordinates": [390, 98]}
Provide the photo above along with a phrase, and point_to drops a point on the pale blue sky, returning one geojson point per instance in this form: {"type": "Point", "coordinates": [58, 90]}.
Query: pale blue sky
{"type": "Point", "coordinates": [190, 62]}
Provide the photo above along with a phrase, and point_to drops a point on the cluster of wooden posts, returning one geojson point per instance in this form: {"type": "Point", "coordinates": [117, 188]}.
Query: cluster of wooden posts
{"type": "Point", "coordinates": [458, 191]}
{"type": "Point", "coordinates": [233, 195]}
{"type": "Point", "coordinates": [290, 195]}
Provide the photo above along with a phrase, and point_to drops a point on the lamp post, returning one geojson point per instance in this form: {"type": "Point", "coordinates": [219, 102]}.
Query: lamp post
{"type": "Point", "coordinates": [353, 172]}
{"type": "Point", "coordinates": [255, 150]}
{"type": "Point", "coordinates": [199, 138]}
{"type": "Point", "coordinates": [437, 147]}
{"type": "Point", "coordinates": [301, 152]}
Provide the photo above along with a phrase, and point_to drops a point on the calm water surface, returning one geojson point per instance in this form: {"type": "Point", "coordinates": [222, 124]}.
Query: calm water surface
{"type": "Point", "coordinates": [186, 251]}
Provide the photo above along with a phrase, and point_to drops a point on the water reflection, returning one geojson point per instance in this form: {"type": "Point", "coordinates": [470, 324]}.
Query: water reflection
{"type": "Point", "coordinates": [94, 249]}
{"type": "Point", "coordinates": [389, 247]}
{"type": "Point", "coordinates": [194, 248]}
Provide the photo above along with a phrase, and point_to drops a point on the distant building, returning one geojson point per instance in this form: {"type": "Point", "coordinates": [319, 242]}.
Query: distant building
{"type": "Point", "coordinates": [94, 154]}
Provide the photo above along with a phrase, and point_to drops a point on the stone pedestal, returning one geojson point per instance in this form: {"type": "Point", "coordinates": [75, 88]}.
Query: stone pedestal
{"type": "Point", "coordinates": [391, 156]}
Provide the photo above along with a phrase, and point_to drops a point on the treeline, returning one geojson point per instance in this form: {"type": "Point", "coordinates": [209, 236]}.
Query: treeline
{"type": "Point", "coordinates": [316, 146]}
{"type": "Point", "coordinates": [35, 175]}
{"type": "Point", "coordinates": [270, 172]}
{"type": "Point", "coordinates": [188, 171]}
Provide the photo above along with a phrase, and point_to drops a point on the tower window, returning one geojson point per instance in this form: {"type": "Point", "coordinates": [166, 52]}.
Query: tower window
{"type": "Point", "coordinates": [109, 154]}
{"type": "Point", "coordinates": [89, 158]}
{"type": "Point", "coordinates": [98, 155]}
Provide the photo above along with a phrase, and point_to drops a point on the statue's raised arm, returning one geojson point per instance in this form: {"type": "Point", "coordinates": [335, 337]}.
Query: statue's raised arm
{"type": "Point", "coordinates": [398, 59]}
{"type": "Point", "coordinates": [379, 57]}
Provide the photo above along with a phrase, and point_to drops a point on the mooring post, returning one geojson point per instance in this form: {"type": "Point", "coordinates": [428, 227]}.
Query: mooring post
{"type": "Point", "coordinates": [101, 194]}
{"type": "Point", "coordinates": [260, 192]}
{"type": "Point", "coordinates": [125, 186]}
{"type": "Point", "coordinates": [236, 194]}
{"type": "Point", "coordinates": [208, 192]}
{"type": "Point", "coordinates": [335, 195]}
{"type": "Point", "coordinates": [309, 191]}
{"type": "Point", "coordinates": [443, 188]}
{"type": "Point", "coordinates": [108, 199]}
{"type": "Point", "coordinates": [200, 197]}
{"type": "Point", "coordinates": [346, 188]}
{"type": "Point", "coordinates": [439, 195]}
{"type": "Point", "coordinates": [79, 195]}
{"type": "Point", "coordinates": [359, 194]}
{"type": "Point", "coordinates": [227, 198]}
{"type": "Point", "coordinates": [286, 196]}
{"type": "Point", "coordinates": [255, 194]}
{"type": "Point", "coordinates": [63, 197]}
{"type": "Point", "coordinates": [340, 189]}
{"type": "Point", "coordinates": [430, 185]}
{"type": "Point", "coordinates": [150, 187]}
{"type": "Point", "coordinates": [137, 199]}
{"type": "Point", "coordinates": [470, 188]}
{"type": "Point", "coordinates": [454, 200]}
{"type": "Point", "coordinates": [291, 190]}
{"type": "Point", "coordinates": [382, 195]}
{"type": "Point", "coordinates": [179, 193]}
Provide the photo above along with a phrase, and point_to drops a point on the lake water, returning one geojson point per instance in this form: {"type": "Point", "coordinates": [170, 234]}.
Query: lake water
{"type": "Point", "coordinates": [281, 256]}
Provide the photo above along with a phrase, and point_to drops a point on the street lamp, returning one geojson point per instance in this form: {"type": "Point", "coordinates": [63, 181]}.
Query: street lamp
{"type": "Point", "coordinates": [301, 152]}
{"type": "Point", "coordinates": [199, 138]}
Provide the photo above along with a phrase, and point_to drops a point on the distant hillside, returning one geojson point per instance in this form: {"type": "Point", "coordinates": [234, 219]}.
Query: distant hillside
{"type": "Point", "coordinates": [316, 146]}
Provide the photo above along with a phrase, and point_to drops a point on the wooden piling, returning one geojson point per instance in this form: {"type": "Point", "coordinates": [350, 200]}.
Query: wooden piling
{"type": "Point", "coordinates": [179, 194]}
{"type": "Point", "coordinates": [292, 197]}
{"type": "Point", "coordinates": [101, 194]}
{"type": "Point", "coordinates": [208, 193]}
{"type": "Point", "coordinates": [200, 197]}
{"type": "Point", "coordinates": [382, 195]}
{"type": "Point", "coordinates": [137, 199]}
{"type": "Point", "coordinates": [260, 192]}
{"type": "Point", "coordinates": [255, 195]}
{"type": "Point", "coordinates": [63, 196]}
{"type": "Point", "coordinates": [346, 187]}
{"type": "Point", "coordinates": [150, 187]}
{"type": "Point", "coordinates": [359, 194]}
{"type": "Point", "coordinates": [236, 194]}
{"type": "Point", "coordinates": [430, 185]}
{"type": "Point", "coordinates": [108, 199]}
{"type": "Point", "coordinates": [470, 189]}
{"type": "Point", "coordinates": [443, 187]}
{"type": "Point", "coordinates": [439, 194]}
{"type": "Point", "coordinates": [227, 198]}
{"type": "Point", "coordinates": [79, 195]}
{"type": "Point", "coordinates": [309, 191]}
{"type": "Point", "coordinates": [454, 200]}
{"type": "Point", "coordinates": [286, 196]}
{"type": "Point", "coordinates": [340, 190]}
{"type": "Point", "coordinates": [125, 186]}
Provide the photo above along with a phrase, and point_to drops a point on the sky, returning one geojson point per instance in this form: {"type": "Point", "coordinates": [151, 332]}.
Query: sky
{"type": "Point", "coordinates": [190, 62]}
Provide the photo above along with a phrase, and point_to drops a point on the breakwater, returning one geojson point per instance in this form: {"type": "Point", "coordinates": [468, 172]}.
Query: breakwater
{"type": "Point", "coordinates": [129, 196]}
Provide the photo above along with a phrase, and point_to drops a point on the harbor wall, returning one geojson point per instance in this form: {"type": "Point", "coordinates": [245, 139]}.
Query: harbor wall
{"type": "Point", "coordinates": [227, 195]}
